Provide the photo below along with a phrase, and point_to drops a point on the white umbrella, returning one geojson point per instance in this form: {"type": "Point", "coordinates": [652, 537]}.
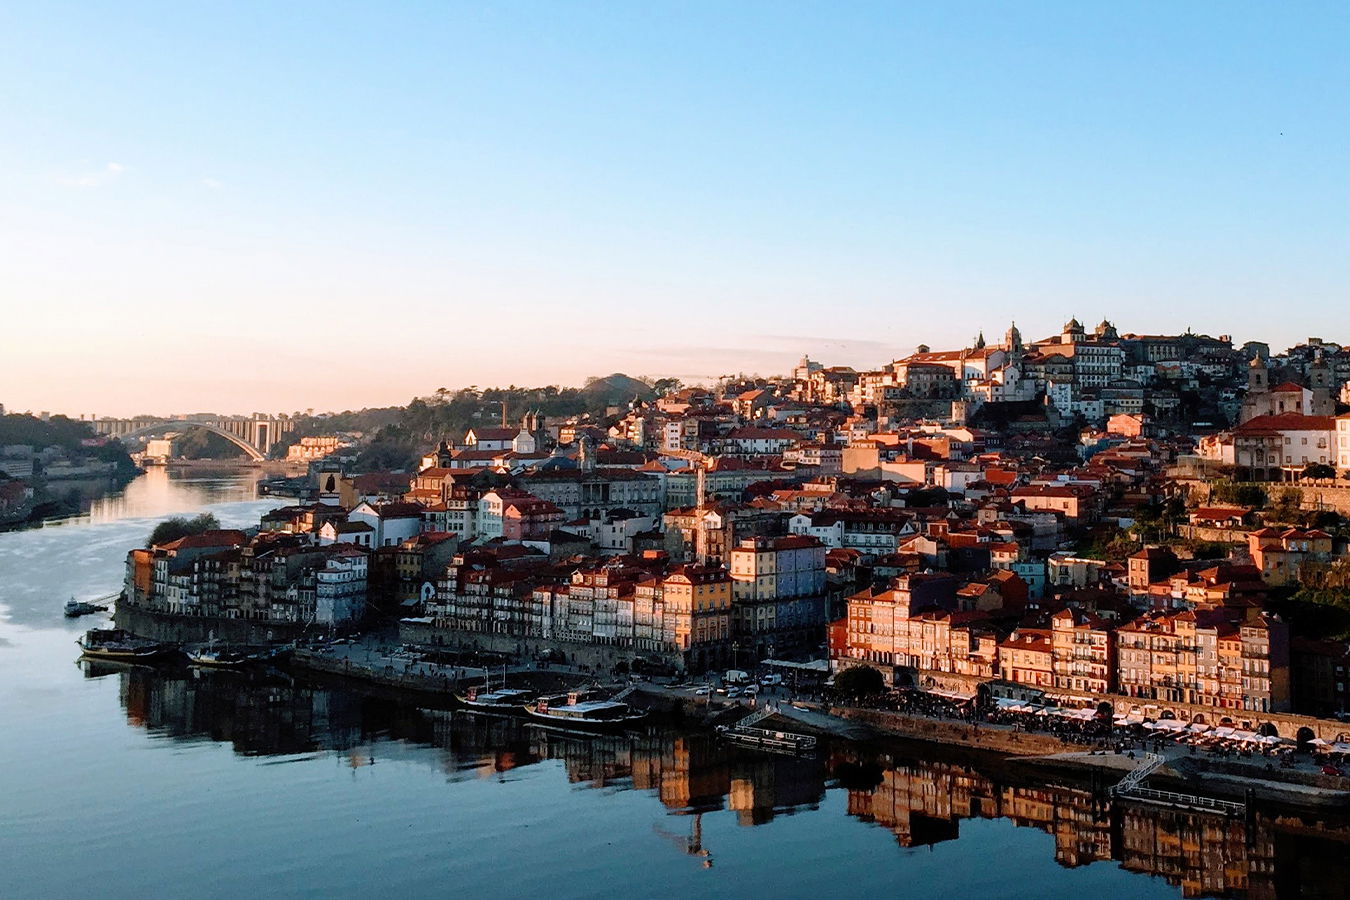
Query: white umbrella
{"type": "Point", "coordinates": [1319, 742]}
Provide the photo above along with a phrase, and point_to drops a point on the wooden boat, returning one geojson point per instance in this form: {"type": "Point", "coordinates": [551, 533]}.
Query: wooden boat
{"type": "Point", "coordinates": [503, 701]}
{"type": "Point", "coordinates": [577, 711]}
{"type": "Point", "coordinates": [224, 657]}
{"type": "Point", "coordinates": [122, 646]}
{"type": "Point", "coordinates": [218, 657]}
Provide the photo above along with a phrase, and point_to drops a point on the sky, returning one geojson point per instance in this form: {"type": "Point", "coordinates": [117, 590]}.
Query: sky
{"type": "Point", "coordinates": [244, 207]}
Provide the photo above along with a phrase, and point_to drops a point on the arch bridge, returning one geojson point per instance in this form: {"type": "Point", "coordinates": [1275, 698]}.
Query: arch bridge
{"type": "Point", "coordinates": [255, 435]}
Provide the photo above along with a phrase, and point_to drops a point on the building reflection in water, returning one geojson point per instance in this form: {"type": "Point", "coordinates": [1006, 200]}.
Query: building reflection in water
{"type": "Point", "coordinates": [922, 802]}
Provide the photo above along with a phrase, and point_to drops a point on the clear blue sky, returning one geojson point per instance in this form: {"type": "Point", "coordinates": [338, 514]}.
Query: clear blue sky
{"type": "Point", "coordinates": [281, 206]}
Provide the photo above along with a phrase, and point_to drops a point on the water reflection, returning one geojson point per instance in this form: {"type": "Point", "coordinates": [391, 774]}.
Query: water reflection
{"type": "Point", "coordinates": [164, 492]}
{"type": "Point", "coordinates": [83, 556]}
{"type": "Point", "coordinates": [922, 802]}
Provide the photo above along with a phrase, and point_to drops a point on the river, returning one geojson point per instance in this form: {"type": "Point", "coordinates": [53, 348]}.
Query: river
{"type": "Point", "coordinates": [136, 783]}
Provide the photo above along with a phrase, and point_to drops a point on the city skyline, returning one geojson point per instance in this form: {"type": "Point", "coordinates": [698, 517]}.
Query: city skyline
{"type": "Point", "coordinates": [206, 199]}
{"type": "Point", "coordinates": [860, 354]}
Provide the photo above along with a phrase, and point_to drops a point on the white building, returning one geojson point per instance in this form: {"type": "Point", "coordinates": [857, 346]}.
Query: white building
{"type": "Point", "coordinates": [340, 588]}
{"type": "Point", "coordinates": [392, 523]}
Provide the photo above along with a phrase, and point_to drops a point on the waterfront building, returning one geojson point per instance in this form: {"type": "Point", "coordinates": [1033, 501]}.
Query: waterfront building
{"type": "Point", "coordinates": [778, 595]}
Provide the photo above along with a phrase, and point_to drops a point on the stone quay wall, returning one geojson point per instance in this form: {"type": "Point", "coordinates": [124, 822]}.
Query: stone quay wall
{"type": "Point", "coordinates": [386, 676]}
{"type": "Point", "coordinates": [597, 656]}
{"type": "Point", "coordinates": [160, 626]}
{"type": "Point", "coordinates": [963, 734]}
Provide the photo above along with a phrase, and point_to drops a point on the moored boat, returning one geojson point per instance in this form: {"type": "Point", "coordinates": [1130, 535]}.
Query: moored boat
{"type": "Point", "coordinates": [503, 701]}
{"type": "Point", "coordinates": [218, 656]}
{"type": "Point", "coordinates": [578, 711]}
{"type": "Point", "coordinates": [76, 608]}
{"type": "Point", "coordinates": [123, 646]}
{"type": "Point", "coordinates": [766, 739]}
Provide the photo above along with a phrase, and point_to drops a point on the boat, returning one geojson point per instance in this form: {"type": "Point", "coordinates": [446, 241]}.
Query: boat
{"type": "Point", "coordinates": [123, 646]}
{"type": "Point", "coordinates": [583, 712]}
{"type": "Point", "coordinates": [503, 701]}
{"type": "Point", "coordinates": [224, 657]}
{"type": "Point", "coordinates": [218, 657]}
{"type": "Point", "coordinates": [766, 739]}
{"type": "Point", "coordinates": [76, 608]}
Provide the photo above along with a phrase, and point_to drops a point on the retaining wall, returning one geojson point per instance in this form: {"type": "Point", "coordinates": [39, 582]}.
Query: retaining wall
{"type": "Point", "coordinates": [964, 734]}
{"type": "Point", "coordinates": [159, 626]}
{"type": "Point", "coordinates": [597, 656]}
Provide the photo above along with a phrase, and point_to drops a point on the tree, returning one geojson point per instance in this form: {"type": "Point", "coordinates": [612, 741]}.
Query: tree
{"type": "Point", "coordinates": [180, 527]}
{"type": "Point", "coordinates": [1241, 494]}
{"type": "Point", "coordinates": [1318, 470]}
{"type": "Point", "coordinates": [1286, 505]}
{"type": "Point", "coordinates": [860, 681]}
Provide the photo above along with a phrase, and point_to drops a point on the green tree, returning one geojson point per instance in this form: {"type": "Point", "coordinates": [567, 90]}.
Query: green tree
{"type": "Point", "coordinates": [1241, 494]}
{"type": "Point", "coordinates": [860, 681]}
{"type": "Point", "coordinates": [180, 526]}
{"type": "Point", "coordinates": [1286, 506]}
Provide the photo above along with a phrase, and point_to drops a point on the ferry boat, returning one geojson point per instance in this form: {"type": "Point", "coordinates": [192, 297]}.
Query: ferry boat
{"type": "Point", "coordinates": [503, 701]}
{"type": "Point", "coordinates": [76, 608]}
{"type": "Point", "coordinates": [116, 644]}
{"type": "Point", "coordinates": [577, 711]}
{"type": "Point", "coordinates": [765, 739]}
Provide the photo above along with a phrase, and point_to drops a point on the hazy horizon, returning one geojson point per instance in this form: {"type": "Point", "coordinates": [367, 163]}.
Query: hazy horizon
{"type": "Point", "coordinates": [257, 207]}
{"type": "Point", "coordinates": [992, 337]}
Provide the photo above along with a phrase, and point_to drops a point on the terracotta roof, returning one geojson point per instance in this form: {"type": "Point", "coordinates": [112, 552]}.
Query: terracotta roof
{"type": "Point", "coordinates": [217, 538]}
{"type": "Point", "coordinates": [493, 434]}
{"type": "Point", "coordinates": [1287, 422]}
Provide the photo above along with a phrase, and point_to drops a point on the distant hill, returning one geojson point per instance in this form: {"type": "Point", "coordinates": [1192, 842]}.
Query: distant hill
{"type": "Point", "coordinates": [615, 390]}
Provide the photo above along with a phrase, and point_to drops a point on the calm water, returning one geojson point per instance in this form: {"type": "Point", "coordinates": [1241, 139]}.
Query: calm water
{"type": "Point", "coordinates": [139, 783]}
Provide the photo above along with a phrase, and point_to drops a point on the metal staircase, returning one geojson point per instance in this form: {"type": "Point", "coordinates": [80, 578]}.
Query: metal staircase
{"type": "Point", "coordinates": [625, 692]}
{"type": "Point", "coordinates": [1134, 779]}
{"type": "Point", "coordinates": [756, 717]}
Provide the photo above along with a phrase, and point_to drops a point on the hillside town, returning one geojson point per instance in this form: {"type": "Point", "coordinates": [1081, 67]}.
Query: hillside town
{"type": "Point", "coordinates": [1087, 515]}
{"type": "Point", "coordinates": [45, 459]}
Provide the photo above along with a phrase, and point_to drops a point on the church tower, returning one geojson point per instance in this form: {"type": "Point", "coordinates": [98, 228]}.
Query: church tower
{"type": "Point", "coordinates": [1319, 373]}
{"type": "Point", "coordinates": [1258, 377]}
{"type": "Point", "coordinates": [1013, 341]}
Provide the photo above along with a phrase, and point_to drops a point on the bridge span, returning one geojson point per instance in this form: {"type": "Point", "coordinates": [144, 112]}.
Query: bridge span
{"type": "Point", "coordinates": [255, 435]}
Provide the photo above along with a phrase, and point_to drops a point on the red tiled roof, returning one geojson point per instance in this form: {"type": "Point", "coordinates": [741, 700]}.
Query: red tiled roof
{"type": "Point", "coordinates": [1287, 422]}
